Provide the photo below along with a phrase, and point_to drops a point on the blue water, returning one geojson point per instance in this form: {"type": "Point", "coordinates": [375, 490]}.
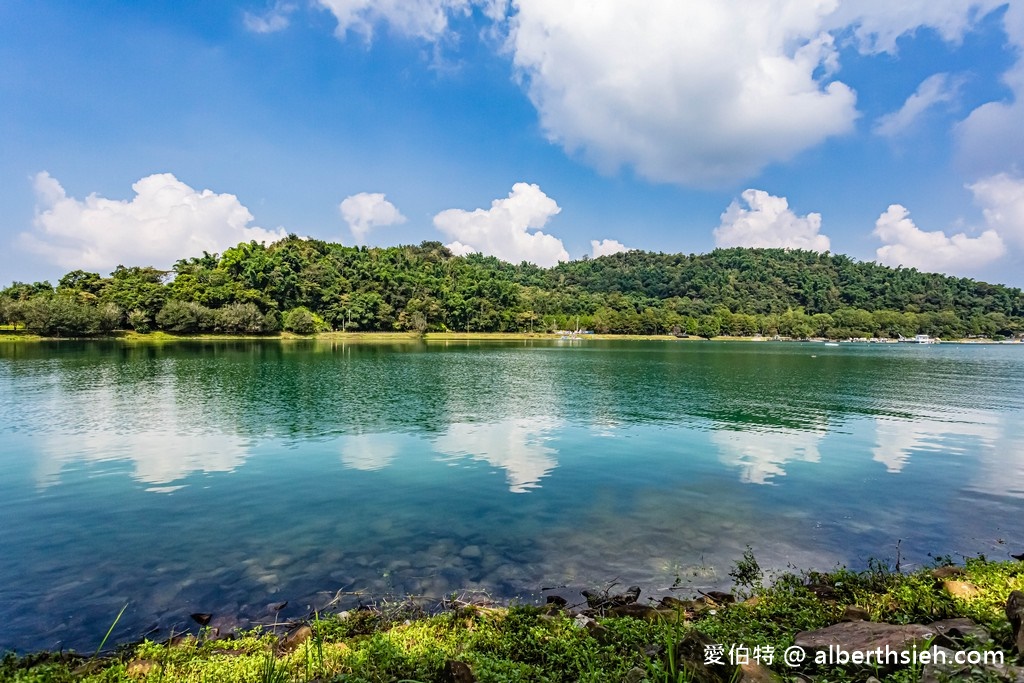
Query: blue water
{"type": "Point", "coordinates": [227, 476]}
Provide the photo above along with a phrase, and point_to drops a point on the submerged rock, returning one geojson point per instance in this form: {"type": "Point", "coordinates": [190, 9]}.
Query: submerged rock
{"type": "Point", "coordinates": [601, 600]}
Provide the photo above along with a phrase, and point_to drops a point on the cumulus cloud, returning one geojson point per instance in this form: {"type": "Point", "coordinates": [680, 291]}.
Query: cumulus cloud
{"type": "Point", "coordinates": [1001, 198]}
{"type": "Point", "coordinates": [427, 19]}
{"type": "Point", "coordinates": [991, 138]}
{"type": "Point", "coordinates": [366, 211]}
{"type": "Point", "coordinates": [907, 245]}
{"type": "Point", "coordinates": [504, 230]}
{"type": "Point", "coordinates": [606, 247]}
{"type": "Point", "coordinates": [696, 93]}
{"type": "Point", "coordinates": [769, 223]}
{"type": "Point", "coordinates": [165, 220]}
{"type": "Point", "coordinates": [274, 19]}
{"type": "Point", "coordinates": [693, 93]}
{"type": "Point", "coordinates": [936, 89]}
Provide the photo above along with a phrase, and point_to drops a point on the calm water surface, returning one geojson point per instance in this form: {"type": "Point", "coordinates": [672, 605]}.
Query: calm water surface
{"type": "Point", "coordinates": [226, 476]}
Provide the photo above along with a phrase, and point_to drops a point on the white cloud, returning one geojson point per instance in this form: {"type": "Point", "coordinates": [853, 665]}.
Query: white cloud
{"type": "Point", "coordinates": [991, 138]}
{"type": "Point", "coordinates": [606, 247]}
{"type": "Point", "coordinates": [907, 245]}
{"type": "Point", "coordinates": [936, 89]}
{"type": "Point", "coordinates": [877, 24]}
{"type": "Point", "coordinates": [427, 19]}
{"type": "Point", "coordinates": [1002, 200]}
{"type": "Point", "coordinates": [702, 92]}
{"type": "Point", "coordinates": [769, 223]}
{"type": "Point", "coordinates": [504, 229]}
{"type": "Point", "coordinates": [368, 210]}
{"type": "Point", "coordinates": [687, 92]}
{"type": "Point", "coordinates": [460, 249]}
{"type": "Point", "coordinates": [275, 19]}
{"type": "Point", "coordinates": [165, 220]}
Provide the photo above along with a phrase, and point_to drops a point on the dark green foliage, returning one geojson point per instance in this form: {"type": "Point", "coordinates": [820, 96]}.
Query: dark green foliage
{"type": "Point", "coordinates": [60, 315]}
{"type": "Point", "coordinates": [254, 288]}
{"type": "Point", "coordinates": [300, 321]}
{"type": "Point", "coordinates": [185, 317]}
{"type": "Point", "coordinates": [239, 318]}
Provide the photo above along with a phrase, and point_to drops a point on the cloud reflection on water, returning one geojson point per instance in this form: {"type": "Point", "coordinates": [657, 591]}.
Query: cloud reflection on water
{"type": "Point", "coordinates": [993, 440]}
{"type": "Point", "coordinates": [160, 459]}
{"type": "Point", "coordinates": [760, 455]}
{"type": "Point", "coordinates": [517, 445]}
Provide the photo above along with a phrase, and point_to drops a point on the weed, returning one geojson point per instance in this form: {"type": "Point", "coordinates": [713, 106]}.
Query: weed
{"type": "Point", "coordinates": [110, 630]}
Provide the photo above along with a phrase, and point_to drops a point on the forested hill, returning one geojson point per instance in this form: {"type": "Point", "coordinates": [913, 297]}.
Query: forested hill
{"type": "Point", "coordinates": [309, 285]}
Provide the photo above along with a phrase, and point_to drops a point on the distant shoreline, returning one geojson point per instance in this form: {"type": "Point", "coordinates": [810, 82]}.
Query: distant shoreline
{"type": "Point", "coordinates": [408, 337]}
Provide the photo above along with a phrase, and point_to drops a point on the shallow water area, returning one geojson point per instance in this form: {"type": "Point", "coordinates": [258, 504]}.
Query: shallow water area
{"type": "Point", "coordinates": [226, 476]}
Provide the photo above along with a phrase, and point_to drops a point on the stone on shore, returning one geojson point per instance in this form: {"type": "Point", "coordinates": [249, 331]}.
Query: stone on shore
{"type": "Point", "coordinates": [1015, 615]}
{"type": "Point", "coordinates": [961, 589]}
{"type": "Point", "coordinates": [864, 636]}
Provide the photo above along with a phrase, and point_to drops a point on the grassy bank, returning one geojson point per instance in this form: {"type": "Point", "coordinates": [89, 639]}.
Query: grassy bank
{"type": "Point", "coordinates": [638, 642]}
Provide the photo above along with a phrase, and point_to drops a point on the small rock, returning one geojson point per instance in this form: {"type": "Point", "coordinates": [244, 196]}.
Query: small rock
{"type": "Point", "coordinates": [755, 672]}
{"type": "Point", "coordinates": [635, 675]}
{"type": "Point", "coordinates": [601, 600]}
{"type": "Point", "coordinates": [635, 611]}
{"type": "Point", "coordinates": [458, 672]}
{"type": "Point", "coordinates": [823, 591]}
{"type": "Point", "coordinates": [1015, 614]}
{"type": "Point", "coordinates": [720, 597]}
{"type": "Point", "coordinates": [297, 637]}
{"type": "Point", "coordinates": [952, 631]}
{"type": "Point", "coordinates": [670, 602]}
{"type": "Point", "coordinates": [471, 552]}
{"type": "Point", "coordinates": [140, 668]}
{"type": "Point", "coordinates": [201, 618]}
{"type": "Point", "coordinates": [961, 589]}
{"type": "Point", "coordinates": [556, 600]}
{"type": "Point", "coordinates": [947, 572]}
{"type": "Point", "coordinates": [582, 620]}
{"type": "Point", "coordinates": [855, 613]}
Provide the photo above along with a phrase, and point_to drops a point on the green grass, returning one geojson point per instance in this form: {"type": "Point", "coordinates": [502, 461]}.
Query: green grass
{"type": "Point", "coordinates": [530, 644]}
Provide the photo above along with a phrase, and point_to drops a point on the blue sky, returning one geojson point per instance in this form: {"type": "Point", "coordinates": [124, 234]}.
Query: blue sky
{"type": "Point", "coordinates": [141, 132]}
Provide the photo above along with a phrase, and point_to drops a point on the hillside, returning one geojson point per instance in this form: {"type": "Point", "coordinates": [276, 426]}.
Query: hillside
{"type": "Point", "coordinates": [310, 285]}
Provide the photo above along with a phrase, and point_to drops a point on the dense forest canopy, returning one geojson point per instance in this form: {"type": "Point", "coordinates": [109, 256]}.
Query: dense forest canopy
{"type": "Point", "coordinates": [306, 285]}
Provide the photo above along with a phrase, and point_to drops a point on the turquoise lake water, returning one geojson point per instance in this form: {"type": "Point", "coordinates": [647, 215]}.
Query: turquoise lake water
{"type": "Point", "coordinates": [224, 477]}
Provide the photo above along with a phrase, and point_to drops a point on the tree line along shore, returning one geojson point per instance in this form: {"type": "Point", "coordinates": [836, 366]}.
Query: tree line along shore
{"type": "Point", "coordinates": [305, 286]}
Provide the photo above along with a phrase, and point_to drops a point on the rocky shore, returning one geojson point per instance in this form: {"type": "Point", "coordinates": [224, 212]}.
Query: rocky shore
{"type": "Point", "coordinates": [949, 623]}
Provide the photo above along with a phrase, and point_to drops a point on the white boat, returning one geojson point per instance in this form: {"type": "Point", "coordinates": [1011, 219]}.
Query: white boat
{"type": "Point", "coordinates": [919, 339]}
